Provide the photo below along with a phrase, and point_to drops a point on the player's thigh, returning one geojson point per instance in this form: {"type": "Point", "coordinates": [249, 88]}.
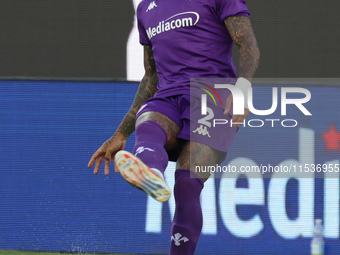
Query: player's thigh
{"type": "Point", "coordinates": [196, 154]}
{"type": "Point", "coordinates": [171, 128]}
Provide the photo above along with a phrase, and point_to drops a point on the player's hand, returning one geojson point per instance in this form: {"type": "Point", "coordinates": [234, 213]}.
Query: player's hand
{"type": "Point", "coordinates": [107, 152]}
{"type": "Point", "coordinates": [236, 118]}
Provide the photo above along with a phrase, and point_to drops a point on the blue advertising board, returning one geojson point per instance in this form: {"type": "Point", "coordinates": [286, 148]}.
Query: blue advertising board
{"type": "Point", "coordinates": [51, 201]}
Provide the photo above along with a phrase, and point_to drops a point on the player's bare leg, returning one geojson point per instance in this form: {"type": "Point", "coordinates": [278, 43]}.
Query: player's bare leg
{"type": "Point", "coordinates": [145, 167]}
{"type": "Point", "coordinates": [187, 223]}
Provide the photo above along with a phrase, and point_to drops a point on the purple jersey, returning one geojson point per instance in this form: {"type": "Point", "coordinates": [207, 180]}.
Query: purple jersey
{"type": "Point", "coordinates": [189, 40]}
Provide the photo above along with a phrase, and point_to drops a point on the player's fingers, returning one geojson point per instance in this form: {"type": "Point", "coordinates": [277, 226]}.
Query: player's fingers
{"type": "Point", "coordinates": [107, 167]}
{"type": "Point", "coordinates": [97, 165]}
{"type": "Point", "coordinates": [93, 159]}
{"type": "Point", "coordinates": [246, 113]}
{"type": "Point", "coordinates": [228, 104]}
{"type": "Point", "coordinates": [115, 166]}
{"type": "Point", "coordinates": [238, 120]}
{"type": "Point", "coordinates": [108, 157]}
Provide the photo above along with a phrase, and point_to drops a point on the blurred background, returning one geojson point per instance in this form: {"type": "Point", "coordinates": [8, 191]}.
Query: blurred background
{"type": "Point", "coordinates": [90, 39]}
{"type": "Point", "coordinates": [69, 70]}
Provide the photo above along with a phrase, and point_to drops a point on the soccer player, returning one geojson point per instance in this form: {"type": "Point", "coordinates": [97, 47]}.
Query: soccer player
{"type": "Point", "coordinates": [182, 39]}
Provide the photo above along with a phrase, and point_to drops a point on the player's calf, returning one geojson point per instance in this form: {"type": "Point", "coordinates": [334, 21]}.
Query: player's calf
{"type": "Point", "coordinates": [187, 223]}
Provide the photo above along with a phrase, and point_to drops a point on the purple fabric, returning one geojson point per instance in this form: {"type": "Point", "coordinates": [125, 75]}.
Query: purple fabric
{"type": "Point", "coordinates": [189, 39]}
{"type": "Point", "coordinates": [187, 224]}
{"type": "Point", "coordinates": [185, 111]}
{"type": "Point", "coordinates": [149, 145]}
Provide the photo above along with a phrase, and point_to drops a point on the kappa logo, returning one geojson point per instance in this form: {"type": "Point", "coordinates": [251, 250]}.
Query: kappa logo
{"type": "Point", "coordinates": [151, 6]}
{"type": "Point", "coordinates": [202, 130]}
{"type": "Point", "coordinates": [141, 149]}
{"type": "Point", "coordinates": [177, 238]}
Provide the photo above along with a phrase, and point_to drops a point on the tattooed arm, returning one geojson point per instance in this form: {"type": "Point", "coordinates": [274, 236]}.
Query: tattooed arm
{"type": "Point", "coordinates": [241, 32]}
{"type": "Point", "coordinates": [147, 88]}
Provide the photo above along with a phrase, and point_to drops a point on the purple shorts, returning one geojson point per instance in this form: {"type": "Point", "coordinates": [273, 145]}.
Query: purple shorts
{"type": "Point", "coordinates": [212, 129]}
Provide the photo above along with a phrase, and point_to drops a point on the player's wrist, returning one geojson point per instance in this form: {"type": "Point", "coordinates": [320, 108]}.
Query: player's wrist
{"type": "Point", "coordinates": [244, 85]}
{"type": "Point", "coordinates": [120, 135]}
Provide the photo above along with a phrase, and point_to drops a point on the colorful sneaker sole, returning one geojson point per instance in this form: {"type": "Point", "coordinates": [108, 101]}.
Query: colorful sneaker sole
{"type": "Point", "coordinates": [139, 175]}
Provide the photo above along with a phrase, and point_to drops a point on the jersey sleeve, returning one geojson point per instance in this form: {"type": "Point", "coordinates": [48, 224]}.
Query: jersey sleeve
{"type": "Point", "coordinates": [227, 8]}
{"type": "Point", "coordinates": [143, 37]}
